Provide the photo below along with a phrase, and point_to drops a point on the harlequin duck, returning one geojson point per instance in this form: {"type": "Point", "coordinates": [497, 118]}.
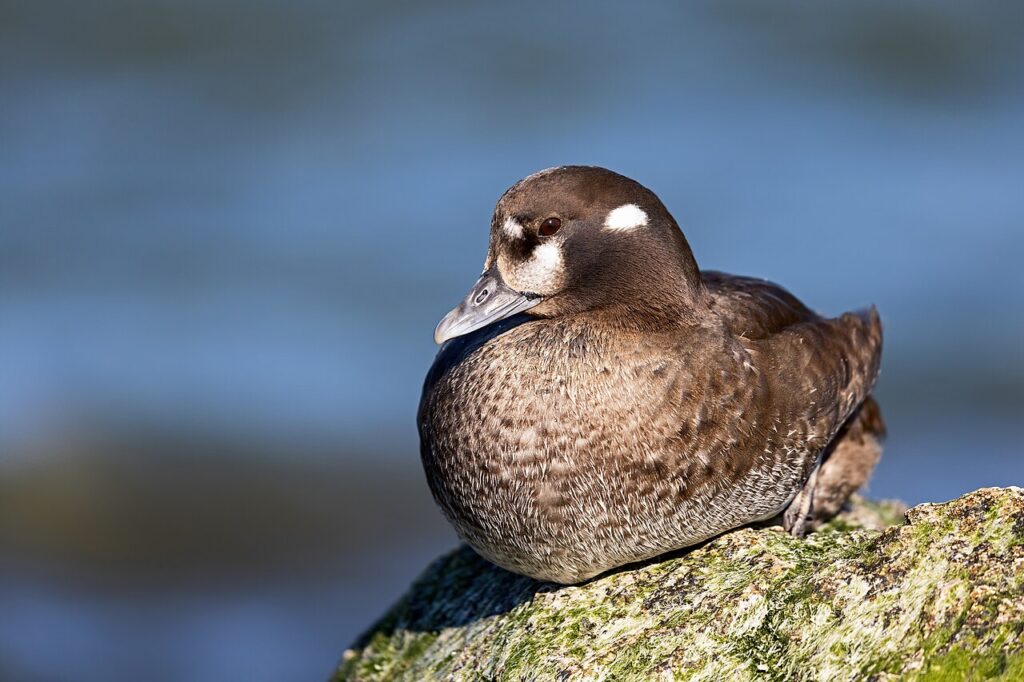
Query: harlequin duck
{"type": "Point", "coordinates": [599, 400]}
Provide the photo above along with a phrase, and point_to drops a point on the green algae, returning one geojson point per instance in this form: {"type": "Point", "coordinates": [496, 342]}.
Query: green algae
{"type": "Point", "coordinates": [940, 597]}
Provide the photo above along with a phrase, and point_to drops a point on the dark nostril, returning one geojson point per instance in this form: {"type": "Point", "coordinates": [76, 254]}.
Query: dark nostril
{"type": "Point", "coordinates": [482, 297]}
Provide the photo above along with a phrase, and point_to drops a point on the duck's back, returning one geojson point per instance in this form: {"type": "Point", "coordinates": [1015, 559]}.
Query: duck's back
{"type": "Point", "coordinates": [754, 308]}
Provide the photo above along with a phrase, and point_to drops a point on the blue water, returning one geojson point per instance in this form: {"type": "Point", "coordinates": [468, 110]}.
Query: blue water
{"type": "Point", "coordinates": [242, 220]}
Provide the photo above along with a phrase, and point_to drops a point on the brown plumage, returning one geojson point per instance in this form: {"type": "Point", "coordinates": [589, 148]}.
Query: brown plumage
{"type": "Point", "coordinates": [640, 405]}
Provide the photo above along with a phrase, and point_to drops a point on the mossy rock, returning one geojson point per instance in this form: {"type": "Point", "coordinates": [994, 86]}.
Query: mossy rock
{"type": "Point", "coordinates": [938, 597]}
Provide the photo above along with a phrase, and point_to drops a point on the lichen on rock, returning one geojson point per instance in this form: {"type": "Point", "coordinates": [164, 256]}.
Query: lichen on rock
{"type": "Point", "coordinates": [939, 597]}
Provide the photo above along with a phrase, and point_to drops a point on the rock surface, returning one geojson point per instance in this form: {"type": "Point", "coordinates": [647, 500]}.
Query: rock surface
{"type": "Point", "coordinates": [938, 597]}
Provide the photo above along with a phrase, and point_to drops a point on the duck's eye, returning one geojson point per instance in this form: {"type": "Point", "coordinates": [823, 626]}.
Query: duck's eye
{"type": "Point", "coordinates": [549, 227]}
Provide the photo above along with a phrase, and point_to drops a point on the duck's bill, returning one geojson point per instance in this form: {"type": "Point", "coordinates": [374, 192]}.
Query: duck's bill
{"type": "Point", "coordinates": [488, 301]}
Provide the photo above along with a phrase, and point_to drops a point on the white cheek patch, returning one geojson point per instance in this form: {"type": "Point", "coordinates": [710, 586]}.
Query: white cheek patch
{"type": "Point", "coordinates": [625, 217]}
{"type": "Point", "coordinates": [548, 257]}
{"type": "Point", "coordinates": [542, 274]}
{"type": "Point", "coordinates": [512, 228]}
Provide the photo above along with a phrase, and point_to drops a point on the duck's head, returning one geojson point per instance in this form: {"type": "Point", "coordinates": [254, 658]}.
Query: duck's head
{"type": "Point", "coordinates": [579, 238]}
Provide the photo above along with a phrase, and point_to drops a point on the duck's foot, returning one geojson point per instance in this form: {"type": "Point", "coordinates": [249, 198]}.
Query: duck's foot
{"type": "Point", "coordinates": [797, 517]}
{"type": "Point", "coordinates": [849, 464]}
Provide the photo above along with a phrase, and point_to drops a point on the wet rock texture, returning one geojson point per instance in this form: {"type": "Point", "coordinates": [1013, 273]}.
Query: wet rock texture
{"type": "Point", "coordinates": [935, 595]}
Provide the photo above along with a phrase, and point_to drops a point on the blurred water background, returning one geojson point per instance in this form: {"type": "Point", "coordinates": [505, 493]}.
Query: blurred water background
{"type": "Point", "coordinates": [228, 228]}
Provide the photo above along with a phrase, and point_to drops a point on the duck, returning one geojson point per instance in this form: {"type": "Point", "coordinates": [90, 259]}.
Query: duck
{"type": "Point", "coordinates": [598, 400]}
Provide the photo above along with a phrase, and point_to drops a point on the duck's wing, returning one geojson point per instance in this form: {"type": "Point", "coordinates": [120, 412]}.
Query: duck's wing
{"type": "Point", "coordinates": [836, 358]}
{"type": "Point", "coordinates": [814, 372]}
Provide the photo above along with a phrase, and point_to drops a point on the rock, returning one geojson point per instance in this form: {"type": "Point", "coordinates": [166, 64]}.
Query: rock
{"type": "Point", "coordinates": [939, 597]}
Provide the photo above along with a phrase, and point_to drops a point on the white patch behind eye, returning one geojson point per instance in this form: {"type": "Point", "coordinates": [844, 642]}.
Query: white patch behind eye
{"type": "Point", "coordinates": [512, 228]}
{"type": "Point", "coordinates": [625, 217]}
